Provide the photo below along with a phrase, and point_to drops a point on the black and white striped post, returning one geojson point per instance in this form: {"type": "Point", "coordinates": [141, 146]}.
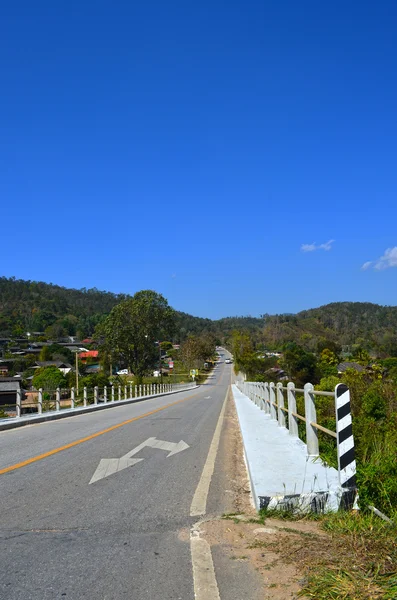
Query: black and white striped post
{"type": "Point", "coordinates": [345, 445]}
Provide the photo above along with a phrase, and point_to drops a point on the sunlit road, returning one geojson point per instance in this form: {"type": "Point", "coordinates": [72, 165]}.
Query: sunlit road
{"type": "Point", "coordinates": [125, 534]}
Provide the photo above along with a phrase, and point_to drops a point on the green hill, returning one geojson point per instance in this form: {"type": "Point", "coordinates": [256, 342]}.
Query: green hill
{"type": "Point", "coordinates": [58, 311]}
{"type": "Point", "coordinates": [371, 326]}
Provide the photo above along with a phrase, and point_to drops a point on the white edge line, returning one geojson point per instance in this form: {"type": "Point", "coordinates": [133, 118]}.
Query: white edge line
{"type": "Point", "coordinates": [204, 579]}
{"type": "Point", "coordinates": [199, 502]}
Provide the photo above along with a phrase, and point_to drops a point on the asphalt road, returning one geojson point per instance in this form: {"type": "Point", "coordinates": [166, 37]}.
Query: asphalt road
{"type": "Point", "coordinates": [125, 535]}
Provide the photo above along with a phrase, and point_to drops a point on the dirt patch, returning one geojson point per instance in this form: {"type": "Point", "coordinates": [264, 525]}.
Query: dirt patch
{"type": "Point", "coordinates": [236, 485]}
{"type": "Point", "coordinates": [255, 544]}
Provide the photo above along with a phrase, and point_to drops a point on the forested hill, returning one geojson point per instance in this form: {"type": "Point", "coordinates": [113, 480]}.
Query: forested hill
{"type": "Point", "coordinates": [345, 323]}
{"type": "Point", "coordinates": [36, 306]}
{"type": "Point", "coordinates": [58, 311]}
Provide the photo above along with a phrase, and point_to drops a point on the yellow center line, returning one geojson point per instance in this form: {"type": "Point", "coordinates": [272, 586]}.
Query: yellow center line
{"type": "Point", "coordinates": [34, 459]}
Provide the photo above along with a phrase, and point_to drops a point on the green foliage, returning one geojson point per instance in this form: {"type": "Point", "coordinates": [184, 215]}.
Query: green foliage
{"type": "Point", "coordinates": [300, 366]}
{"type": "Point", "coordinates": [58, 352]}
{"type": "Point", "coordinates": [45, 354]}
{"type": "Point", "coordinates": [49, 378]}
{"type": "Point", "coordinates": [95, 379]}
{"type": "Point", "coordinates": [374, 403]}
{"type": "Point", "coordinates": [332, 326]}
{"type": "Point", "coordinates": [166, 346]}
{"type": "Point", "coordinates": [35, 306]}
{"type": "Point", "coordinates": [129, 333]}
{"type": "Point", "coordinates": [197, 349]}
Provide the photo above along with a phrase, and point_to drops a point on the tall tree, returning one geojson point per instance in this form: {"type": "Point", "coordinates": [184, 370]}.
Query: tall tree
{"type": "Point", "coordinates": [128, 335]}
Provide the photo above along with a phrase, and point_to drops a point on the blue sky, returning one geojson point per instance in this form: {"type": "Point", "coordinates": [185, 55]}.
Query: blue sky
{"type": "Point", "coordinates": [208, 150]}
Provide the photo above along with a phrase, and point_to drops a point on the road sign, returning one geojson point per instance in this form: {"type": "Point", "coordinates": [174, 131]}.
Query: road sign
{"type": "Point", "coordinates": [171, 364]}
{"type": "Point", "coordinates": [109, 466]}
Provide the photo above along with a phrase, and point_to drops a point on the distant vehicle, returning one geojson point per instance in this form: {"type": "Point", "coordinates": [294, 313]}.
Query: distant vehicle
{"type": "Point", "coordinates": [122, 372]}
{"type": "Point", "coordinates": [228, 361]}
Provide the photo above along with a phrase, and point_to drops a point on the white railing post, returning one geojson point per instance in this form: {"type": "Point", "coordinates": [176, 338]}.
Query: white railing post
{"type": "Point", "coordinates": [119, 389]}
{"type": "Point", "coordinates": [112, 392]}
{"type": "Point", "coordinates": [125, 392]}
{"type": "Point", "coordinates": [96, 394]}
{"type": "Point", "coordinates": [40, 401]}
{"type": "Point", "coordinates": [105, 394]}
{"type": "Point", "coordinates": [272, 400]}
{"type": "Point", "coordinates": [310, 414]}
{"type": "Point", "coordinates": [262, 395]}
{"type": "Point", "coordinates": [72, 398]}
{"type": "Point", "coordinates": [280, 402]}
{"type": "Point", "coordinates": [136, 391]}
{"type": "Point", "coordinates": [85, 396]}
{"type": "Point", "coordinates": [267, 398]}
{"type": "Point", "coordinates": [18, 406]}
{"type": "Point", "coordinates": [140, 391]}
{"type": "Point", "coordinates": [58, 399]}
{"type": "Point", "coordinates": [292, 419]}
{"type": "Point", "coordinates": [130, 390]}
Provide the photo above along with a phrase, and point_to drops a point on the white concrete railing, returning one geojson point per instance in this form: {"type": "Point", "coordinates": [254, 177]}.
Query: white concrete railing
{"type": "Point", "coordinates": [61, 399]}
{"type": "Point", "coordinates": [271, 399]}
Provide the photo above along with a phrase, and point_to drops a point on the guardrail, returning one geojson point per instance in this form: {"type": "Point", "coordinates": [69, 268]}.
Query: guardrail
{"type": "Point", "coordinates": [54, 401]}
{"type": "Point", "coordinates": [270, 398]}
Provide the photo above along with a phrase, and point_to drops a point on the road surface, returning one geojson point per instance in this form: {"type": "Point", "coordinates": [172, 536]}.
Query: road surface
{"type": "Point", "coordinates": [79, 523]}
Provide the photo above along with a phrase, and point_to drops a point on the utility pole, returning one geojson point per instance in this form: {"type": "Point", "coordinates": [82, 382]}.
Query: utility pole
{"type": "Point", "coordinates": [161, 372]}
{"type": "Point", "coordinates": [77, 373]}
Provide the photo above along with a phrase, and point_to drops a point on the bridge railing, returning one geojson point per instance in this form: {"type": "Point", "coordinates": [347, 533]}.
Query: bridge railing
{"type": "Point", "coordinates": [45, 401]}
{"type": "Point", "coordinates": [280, 402]}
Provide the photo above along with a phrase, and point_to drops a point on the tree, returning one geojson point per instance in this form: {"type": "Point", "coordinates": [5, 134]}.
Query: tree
{"type": "Point", "coordinates": [45, 354]}
{"type": "Point", "coordinates": [328, 363]}
{"type": "Point", "coordinates": [361, 355]}
{"type": "Point", "coordinates": [242, 349]}
{"type": "Point", "coordinates": [300, 366]}
{"type": "Point", "coordinates": [198, 349]}
{"type": "Point", "coordinates": [49, 378]}
{"type": "Point", "coordinates": [59, 352]}
{"type": "Point", "coordinates": [166, 346]}
{"type": "Point", "coordinates": [189, 352]}
{"type": "Point", "coordinates": [129, 333]}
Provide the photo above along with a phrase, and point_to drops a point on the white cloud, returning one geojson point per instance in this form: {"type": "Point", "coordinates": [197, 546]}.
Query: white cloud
{"type": "Point", "coordinates": [388, 260]}
{"type": "Point", "coordinates": [311, 247]}
{"type": "Point", "coordinates": [366, 265]}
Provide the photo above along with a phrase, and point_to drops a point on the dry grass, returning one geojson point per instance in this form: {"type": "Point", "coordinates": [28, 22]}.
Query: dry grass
{"type": "Point", "coordinates": [356, 561]}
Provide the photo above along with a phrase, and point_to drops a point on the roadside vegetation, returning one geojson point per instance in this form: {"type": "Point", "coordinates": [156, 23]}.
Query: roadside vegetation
{"type": "Point", "coordinates": [373, 392]}
{"type": "Point", "coordinates": [356, 561]}
{"type": "Point", "coordinates": [359, 558]}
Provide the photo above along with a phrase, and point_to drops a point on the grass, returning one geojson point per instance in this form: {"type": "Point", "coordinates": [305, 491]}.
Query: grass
{"type": "Point", "coordinates": [357, 561]}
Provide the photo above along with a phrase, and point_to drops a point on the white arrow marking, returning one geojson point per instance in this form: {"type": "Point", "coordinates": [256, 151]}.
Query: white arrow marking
{"type": "Point", "coordinates": [109, 466]}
